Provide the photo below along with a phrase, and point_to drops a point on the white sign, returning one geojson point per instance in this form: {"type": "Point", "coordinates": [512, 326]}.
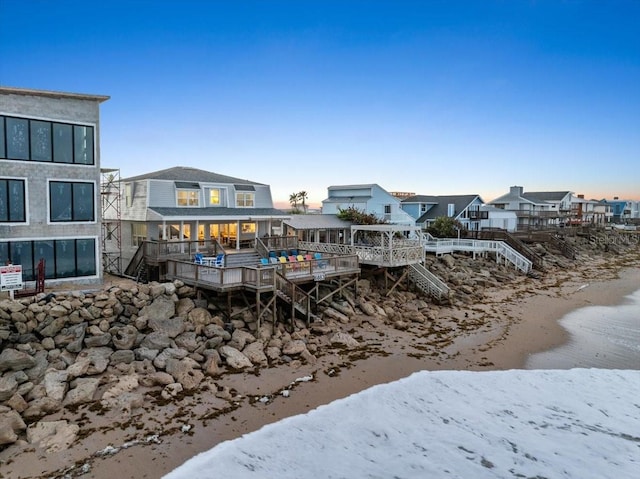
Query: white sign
{"type": "Point", "coordinates": [318, 276]}
{"type": "Point", "coordinates": [10, 277]}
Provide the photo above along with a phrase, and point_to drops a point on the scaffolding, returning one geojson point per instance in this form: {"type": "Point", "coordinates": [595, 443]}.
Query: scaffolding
{"type": "Point", "coordinates": [111, 221]}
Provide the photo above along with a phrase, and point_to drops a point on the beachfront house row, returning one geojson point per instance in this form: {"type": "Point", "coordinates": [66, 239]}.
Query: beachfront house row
{"type": "Point", "coordinates": [368, 198]}
{"type": "Point", "coordinates": [50, 183]}
{"type": "Point", "coordinates": [536, 210]}
{"type": "Point", "coordinates": [586, 212]}
{"type": "Point", "coordinates": [187, 204]}
{"type": "Point", "coordinates": [623, 211]}
{"type": "Point", "coordinates": [469, 210]}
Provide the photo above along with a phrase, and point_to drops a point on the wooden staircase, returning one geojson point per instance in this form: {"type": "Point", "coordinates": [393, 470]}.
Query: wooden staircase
{"type": "Point", "coordinates": [429, 283]}
{"type": "Point", "coordinates": [525, 250]}
{"type": "Point", "coordinates": [563, 245]}
{"type": "Point", "coordinates": [245, 258]}
{"type": "Point", "coordinates": [299, 300]}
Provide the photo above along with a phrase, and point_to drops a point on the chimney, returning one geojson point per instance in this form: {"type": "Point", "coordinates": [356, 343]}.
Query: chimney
{"type": "Point", "coordinates": [616, 198]}
{"type": "Point", "coordinates": [581, 197]}
{"type": "Point", "coordinates": [516, 190]}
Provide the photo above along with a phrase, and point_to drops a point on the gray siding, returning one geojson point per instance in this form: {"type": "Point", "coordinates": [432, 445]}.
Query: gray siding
{"type": "Point", "coordinates": [63, 109]}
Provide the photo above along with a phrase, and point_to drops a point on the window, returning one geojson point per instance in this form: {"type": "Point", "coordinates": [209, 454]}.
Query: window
{"type": "Point", "coordinates": [214, 196]}
{"type": "Point", "coordinates": [2, 141]}
{"type": "Point", "coordinates": [63, 258]}
{"type": "Point", "coordinates": [70, 201]}
{"type": "Point", "coordinates": [39, 140]}
{"type": "Point", "coordinates": [62, 143]}
{"type": "Point", "coordinates": [83, 144]}
{"type": "Point", "coordinates": [12, 201]}
{"type": "Point", "coordinates": [138, 233]}
{"type": "Point", "coordinates": [248, 227]}
{"type": "Point", "coordinates": [423, 208]}
{"type": "Point", "coordinates": [245, 200]}
{"type": "Point", "coordinates": [387, 209]}
{"type": "Point", "coordinates": [188, 198]}
{"type": "Point", "coordinates": [17, 138]}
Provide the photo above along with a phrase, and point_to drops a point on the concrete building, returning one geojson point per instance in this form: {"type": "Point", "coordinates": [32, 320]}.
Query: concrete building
{"type": "Point", "coordinates": [50, 183]}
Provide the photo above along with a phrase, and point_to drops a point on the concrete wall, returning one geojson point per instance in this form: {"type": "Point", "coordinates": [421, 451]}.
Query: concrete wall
{"type": "Point", "coordinates": [38, 174]}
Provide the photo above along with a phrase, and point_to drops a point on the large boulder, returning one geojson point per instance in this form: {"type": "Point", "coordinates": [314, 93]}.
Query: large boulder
{"type": "Point", "coordinates": [162, 307]}
{"type": "Point", "coordinates": [10, 425]}
{"type": "Point", "coordinates": [124, 337]}
{"type": "Point", "coordinates": [234, 358]}
{"type": "Point", "coordinates": [171, 327]}
{"type": "Point", "coordinates": [15, 360]}
{"type": "Point", "coordinates": [52, 436]}
{"type": "Point", "coordinates": [185, 372]}
{"type": "Point", "coordinates": [8, 386]}
{"type": "Point", "coordinates": [55, 383]}
{"type": "Point", "coordinates": [344, 339]}
{"type": "Point", "coordinates": [83, 392]}
{"type": "Point", "coordinates": [255, 353]}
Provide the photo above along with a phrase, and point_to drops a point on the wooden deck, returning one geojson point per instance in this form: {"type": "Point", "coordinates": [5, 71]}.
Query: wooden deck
{"type": "Point", "coordinates": [260, 278]}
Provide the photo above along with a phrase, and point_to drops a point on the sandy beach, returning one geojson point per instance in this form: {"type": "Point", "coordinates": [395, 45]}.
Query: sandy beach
{"type": "Point", "coordinates": [498, 333]}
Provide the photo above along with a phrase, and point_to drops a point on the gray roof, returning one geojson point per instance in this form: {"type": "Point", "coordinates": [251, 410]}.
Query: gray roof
{"type": "Point", "coordinates": [421, 199]}
{"type": "Point", "coordinates": [352, 187]}
{"type": "Point", "coordinates": [441, 209]}
{"type": "Point", "coordinates": [184, 173]}
{"type": "Point", "coordinates": [312, 222]}
{"type": "Point", "coordinates": [537, 197]}
{"type": "Point", "coordinates": [347, 199]}
{"type": "Point", "coordinates": [541, 196]}
{"type": "Point", "coordinates": [216, 212]}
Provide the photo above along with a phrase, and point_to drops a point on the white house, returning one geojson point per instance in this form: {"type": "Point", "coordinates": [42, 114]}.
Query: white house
{"type": "Point", "coordinates": [536, 209]}
{"type": "Point", "coordinates": [370, 199]}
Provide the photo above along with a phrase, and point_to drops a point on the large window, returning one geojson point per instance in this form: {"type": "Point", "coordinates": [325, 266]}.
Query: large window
{"type": "Point", "coordinates": [39, 140]}
{"type": "Point", "coordinates": [245, 200]}
{"type": "Point", "coordinates": [214, 196]}
{"type": "Point", "coordinates": [71, 201]}
{"type": "Point", "coordinates": [64, 258]}
{"type": "Point", "coordinates": [12, 201]}
{"type": "Point", "coordinates": [138, 233]}
{"type": "Point", "coordinates": [188, 197]}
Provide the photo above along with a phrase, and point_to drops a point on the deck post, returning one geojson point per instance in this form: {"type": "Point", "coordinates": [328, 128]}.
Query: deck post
{"type": "Point", "coordinates": [258, 304]}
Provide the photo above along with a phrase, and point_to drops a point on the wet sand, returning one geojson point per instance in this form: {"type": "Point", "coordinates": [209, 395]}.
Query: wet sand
{"type": "Point", "coordinates": [500, 333]}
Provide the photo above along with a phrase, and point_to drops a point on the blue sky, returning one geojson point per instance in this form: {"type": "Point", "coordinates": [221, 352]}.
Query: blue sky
{"type": "Point", "coordinates": [440, 97]}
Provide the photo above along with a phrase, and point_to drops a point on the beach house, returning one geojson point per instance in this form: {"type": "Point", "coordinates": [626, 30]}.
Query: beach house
{"type": "Point", "coordinates": [190, 204]}
{"type": "Point", "coordinates": [536, 209]}
{"type": "Point", "coordinates": [367, 198]}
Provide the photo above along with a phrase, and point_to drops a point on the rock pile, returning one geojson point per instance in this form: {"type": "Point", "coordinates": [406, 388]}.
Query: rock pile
{"type": "Point", "coordinates": [109, 347]}
{"type": "Point", "coordinates": [112, 347]}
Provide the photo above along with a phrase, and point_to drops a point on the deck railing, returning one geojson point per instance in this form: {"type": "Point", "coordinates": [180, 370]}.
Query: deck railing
{"type": "Point", "coordinates": [401, 253]}
{"type": "Point", "coordinates": [261, 277]}
{"type": "Point", "coordinates": [499, 248]}
{"type": "Point", "coordinates": [251, 277]}
{"type": "Point", "coordinates": [279, 243]}
{"type": "Point", "coordinates": [429, 282]}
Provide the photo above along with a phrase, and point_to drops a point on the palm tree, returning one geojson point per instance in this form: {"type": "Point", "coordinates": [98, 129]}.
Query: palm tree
{"type": "Point", "coordinates": [293, 201]}
{"type": "Point", "coordinates": [303, 196]}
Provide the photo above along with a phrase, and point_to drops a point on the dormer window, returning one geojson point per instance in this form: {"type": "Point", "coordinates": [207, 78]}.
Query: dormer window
{"type": "Point", "coordinates": [214, 196]}
{"type": "Point", "coordinates": [245, 196]}
{"type": "Point", "coordinates": [245, 200]}
{"type": "Point", "coordinates": [188, 194]}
